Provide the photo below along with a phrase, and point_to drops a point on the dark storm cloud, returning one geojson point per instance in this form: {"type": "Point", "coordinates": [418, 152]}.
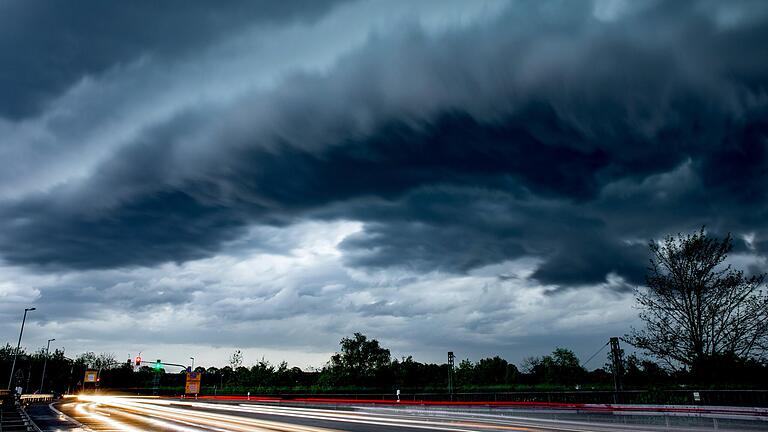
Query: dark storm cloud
{"type": "Point", "coordinates": [548, 133]}
{"type": "Point", "coordinates": [460, 229]}
{"type": "Point", "coordinates": [588, 260]}
{"type": "Point", "coordinates": [159, 227]}
{"type": "Point", "coordinates": [45, 47]}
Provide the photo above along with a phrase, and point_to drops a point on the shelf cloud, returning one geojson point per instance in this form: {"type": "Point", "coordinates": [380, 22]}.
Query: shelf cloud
{"type": "Point", "coordinates": [446, 142]}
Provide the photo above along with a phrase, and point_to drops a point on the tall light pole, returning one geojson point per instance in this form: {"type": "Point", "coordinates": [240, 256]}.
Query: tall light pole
{"type": "Point", "coordinates": [45, 363]}
{"type": "Point", "coordinates": [18, 344]}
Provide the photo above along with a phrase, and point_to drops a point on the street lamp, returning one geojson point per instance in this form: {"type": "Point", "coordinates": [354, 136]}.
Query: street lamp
{"type": "Point", "coordinates": [18, 344]}
{"type": "Point", "coordinates": [45, 363]}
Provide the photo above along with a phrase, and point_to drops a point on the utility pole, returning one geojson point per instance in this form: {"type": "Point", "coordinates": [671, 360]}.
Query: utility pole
{"type": "Point", "coordinates": [618, 369]}
{"type": "Point", "coordinates": [16, 353]}
{"type": "Point", "coordinates": [45, 363]}
{"type": "Point", "coordinates": [451, 359]}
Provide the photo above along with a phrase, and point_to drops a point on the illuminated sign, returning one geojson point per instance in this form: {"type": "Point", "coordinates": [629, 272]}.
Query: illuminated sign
{"type": "Point", "coordinates": [91, 376]}
{"type": "Point", "coordinates": [193, 383]}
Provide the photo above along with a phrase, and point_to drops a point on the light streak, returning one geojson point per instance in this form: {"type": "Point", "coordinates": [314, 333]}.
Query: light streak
{"type": "Point", "coordinates": [82, 409]}
{"type": "Point", "coordinates": [210, 421]}
{"type": "Point", "coordinates": [191, 416]}
{"type": "Point", "coordinates": [165, 424]}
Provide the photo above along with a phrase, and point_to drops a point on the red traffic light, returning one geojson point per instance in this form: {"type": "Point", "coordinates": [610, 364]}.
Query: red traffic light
{"type": "Point", "coordinates": [138, 361]}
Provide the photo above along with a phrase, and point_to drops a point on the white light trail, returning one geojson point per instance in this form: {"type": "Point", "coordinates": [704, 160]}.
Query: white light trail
{"type": "Point", "coordinates": [153, 409]}
{"type": "Point", "coordinates": [188, 416]}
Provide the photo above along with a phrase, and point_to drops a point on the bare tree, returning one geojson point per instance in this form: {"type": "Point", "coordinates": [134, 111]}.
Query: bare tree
{"type": "Point", "coordinates": [101, 361]}
{"type": "Point", "coordinates": [696, 307]}
{"type": "Point", "coordinates": [236, 360]}
{"type": "Point", "coordinates": [105, 360]}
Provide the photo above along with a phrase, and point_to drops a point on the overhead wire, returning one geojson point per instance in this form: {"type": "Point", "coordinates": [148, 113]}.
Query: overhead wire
{"type": "Point", "coordinates": [596, 353]}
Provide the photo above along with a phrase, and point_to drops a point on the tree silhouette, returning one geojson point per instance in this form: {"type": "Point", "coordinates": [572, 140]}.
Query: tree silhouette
{"type": "Point", "coordinates": [561, 367]}
{"type": "Point", "coordinates": [696, 308]}
{"type": "Point", "coordinates": [359, 360]}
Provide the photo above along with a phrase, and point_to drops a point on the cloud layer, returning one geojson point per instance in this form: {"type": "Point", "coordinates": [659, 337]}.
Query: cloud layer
{"type": "Point", "coordinates": [458, 139]}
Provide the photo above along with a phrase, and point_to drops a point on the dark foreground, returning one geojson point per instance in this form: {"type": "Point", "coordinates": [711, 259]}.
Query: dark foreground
{"type": "Point", "coordinates": [106, 413]}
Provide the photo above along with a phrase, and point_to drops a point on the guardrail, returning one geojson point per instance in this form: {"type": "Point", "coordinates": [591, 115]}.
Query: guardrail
{"type": "Point", "coordinates": [32, 398]}
{"type": "Point", "coordinates": [694, 397]}
{"type": "Point", "coordinates": [757, 398]}
{"type": "Point", "coordinates": [30, 425]}
{"type": "Point", "coordinates": [13, 417]}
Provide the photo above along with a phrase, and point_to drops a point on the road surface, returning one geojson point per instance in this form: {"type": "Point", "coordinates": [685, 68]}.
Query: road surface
{"type": "Point", "coordinates": [133, 414]}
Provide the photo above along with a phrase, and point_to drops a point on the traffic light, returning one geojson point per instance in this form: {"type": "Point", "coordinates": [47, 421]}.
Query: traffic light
{"type": "Point", "coordinates": [138, 361]}
{"type": "Point", "coordinates": [158, 365]}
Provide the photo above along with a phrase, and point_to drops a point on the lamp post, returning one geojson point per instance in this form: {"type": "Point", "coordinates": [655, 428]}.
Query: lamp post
{"type": "Point", "coordinates": [18, 344]}
{"type": "Point", "coordinates": [45, 363]}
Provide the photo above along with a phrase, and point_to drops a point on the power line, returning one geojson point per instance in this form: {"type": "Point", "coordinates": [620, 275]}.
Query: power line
{"type": "Point", "coordinates": [596, 353]}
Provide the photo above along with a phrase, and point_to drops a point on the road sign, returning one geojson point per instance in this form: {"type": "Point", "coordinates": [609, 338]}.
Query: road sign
{"type": "Point", "coordinates": [91, 376]}
{"type": "Point", "coordinates": [193, 383]}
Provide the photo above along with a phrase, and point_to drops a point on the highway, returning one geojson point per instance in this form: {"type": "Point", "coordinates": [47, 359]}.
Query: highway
{"type": "Point", "coordinates": [133, 414]}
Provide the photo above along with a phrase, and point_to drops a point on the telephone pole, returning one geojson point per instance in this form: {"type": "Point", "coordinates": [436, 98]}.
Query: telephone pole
{"type": "Point", "coordinates": [451, 359]}
{"type": "Point", "coordinates": [618, 367]}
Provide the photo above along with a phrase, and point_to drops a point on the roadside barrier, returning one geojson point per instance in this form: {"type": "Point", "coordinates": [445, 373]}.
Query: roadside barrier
{"type": "Point", "coordinates": [33, 398]}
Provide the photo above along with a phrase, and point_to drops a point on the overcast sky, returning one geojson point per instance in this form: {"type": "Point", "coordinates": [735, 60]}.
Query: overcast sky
{"type": "Point", "coordinates": [185, 179]}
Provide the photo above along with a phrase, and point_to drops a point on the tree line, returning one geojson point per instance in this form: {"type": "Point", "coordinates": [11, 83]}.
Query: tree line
{"type": "Point", "coordinates": [363, 365]}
